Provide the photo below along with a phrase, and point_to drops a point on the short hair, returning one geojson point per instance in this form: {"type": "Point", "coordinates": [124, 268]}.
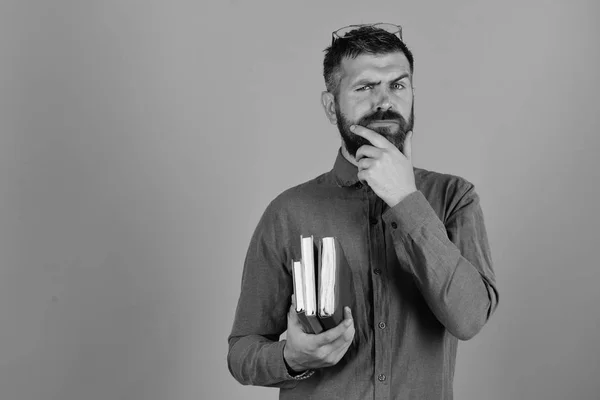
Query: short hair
{"type": "Point", "coordinates": [364, 40]}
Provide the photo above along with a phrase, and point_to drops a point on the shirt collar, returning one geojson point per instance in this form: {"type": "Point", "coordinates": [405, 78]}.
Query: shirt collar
{"type": "Point", "coordinates": [344, 172]}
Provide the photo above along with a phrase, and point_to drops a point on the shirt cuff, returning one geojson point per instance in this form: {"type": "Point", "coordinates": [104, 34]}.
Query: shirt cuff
{"type": "Point", "coordinates": [409, 214]}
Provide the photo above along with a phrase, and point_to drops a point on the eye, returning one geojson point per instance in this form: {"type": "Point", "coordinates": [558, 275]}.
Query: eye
{"type": "Point", "coordinates": [398, 86]}
{"type": "Point", "coordinates": [363, 88]}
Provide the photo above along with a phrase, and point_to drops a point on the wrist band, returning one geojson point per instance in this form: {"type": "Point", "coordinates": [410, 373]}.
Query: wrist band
{"type": "Point", "coordinates": [305, 375]}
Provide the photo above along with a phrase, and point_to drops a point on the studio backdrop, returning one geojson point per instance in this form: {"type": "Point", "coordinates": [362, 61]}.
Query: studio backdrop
{"type": "Point", "coordinates": [140, 142]}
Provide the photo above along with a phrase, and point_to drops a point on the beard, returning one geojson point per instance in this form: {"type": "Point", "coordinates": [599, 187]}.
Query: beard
{"type": "Point", "coordinates": [353, 142]}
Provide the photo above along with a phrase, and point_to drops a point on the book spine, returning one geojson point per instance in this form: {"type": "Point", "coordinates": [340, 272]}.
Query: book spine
{"type": "Point", "coordinates": [310, 323]}
{"type": "Point", "coordinates": [328, 322]}
{"type": "Point", "coordinates": [306, 326]}
{"type": "Point", "coordinates": [344, 291]}
{"type": "Point", "coordinates": [315, 323]}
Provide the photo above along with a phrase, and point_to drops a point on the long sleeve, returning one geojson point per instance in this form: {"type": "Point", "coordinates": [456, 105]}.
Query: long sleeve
{"type": "Point", "coordinates": [451, 262]}
{"type": "Point", "coordinates": [255, 354]}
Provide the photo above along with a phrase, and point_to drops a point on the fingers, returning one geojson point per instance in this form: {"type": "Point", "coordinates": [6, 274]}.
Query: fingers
{"type": "Point", "coordinates": [367, 151]}
{"type": "Point", "coordinates": [363, 175]}
{"type": "Point", "coordinates": [339, 352]}
{"type": "Point", "coordinates": [407, 147]}
{"type": "Point", "coordinates": [345, 339]}
{"type": "Point", "coordinates": [331, 335]}
{"type": "Point", "coordinates": [364, 163]}
{"type": "Point", "coordinates": [348, 314]}
{"type": "Point", "coordinates": [339, 346]}
{"type": "Point", "coordinates": [375, 138]}
{"type": "Point", "coordinates": [310, 351]}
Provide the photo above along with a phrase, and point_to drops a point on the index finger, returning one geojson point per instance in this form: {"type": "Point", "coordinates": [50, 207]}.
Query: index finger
{"type": "Point", "coordinates": [334, 333]}
{"type": "Point", "coordinates": [375, 138]}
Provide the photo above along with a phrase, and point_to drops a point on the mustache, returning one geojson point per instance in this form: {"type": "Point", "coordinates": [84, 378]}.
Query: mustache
{"type": "Point", "coordinates": [383, 115]}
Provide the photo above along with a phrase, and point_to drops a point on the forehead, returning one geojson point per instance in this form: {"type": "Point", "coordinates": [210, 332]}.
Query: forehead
{"type": "Point", "coordinates": [370, 65]}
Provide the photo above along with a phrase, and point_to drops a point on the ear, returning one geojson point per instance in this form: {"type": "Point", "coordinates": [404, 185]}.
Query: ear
{"type": "Point", "coordinates": [328, 102]}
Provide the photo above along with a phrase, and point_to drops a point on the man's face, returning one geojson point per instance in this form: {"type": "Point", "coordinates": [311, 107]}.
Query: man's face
{"type": "Point", "coordinates": [375, 92]}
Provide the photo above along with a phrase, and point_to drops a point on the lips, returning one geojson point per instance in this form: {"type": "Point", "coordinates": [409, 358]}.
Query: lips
{"type": "Point", "coordinates": [383, 122]}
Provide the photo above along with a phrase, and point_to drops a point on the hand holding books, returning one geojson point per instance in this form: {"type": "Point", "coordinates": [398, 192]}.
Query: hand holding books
{"type": "Point", "coordinates": [305, 351]}
{"type": "Point", "coordinates": [320, 325]}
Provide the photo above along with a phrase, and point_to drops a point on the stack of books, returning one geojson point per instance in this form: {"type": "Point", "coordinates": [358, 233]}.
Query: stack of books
{"type": "Point", "coordinates": [322, 284]}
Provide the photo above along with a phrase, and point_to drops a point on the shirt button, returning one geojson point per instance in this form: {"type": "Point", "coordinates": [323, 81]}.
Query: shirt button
{"type": "Point", "coordinates": [373, 221]}
{"type": "Point", "coordinates": [394, 225]}
{"type": "Point", "coordinates": [381, 377]}
{"type": "Point", "coordinates": [381, 325]}
{"type": "Point", "coordinates": [377, 271]}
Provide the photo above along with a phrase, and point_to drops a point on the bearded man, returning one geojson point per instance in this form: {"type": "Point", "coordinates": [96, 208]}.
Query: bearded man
{"type": "Point", "coordinates": [414, 239]}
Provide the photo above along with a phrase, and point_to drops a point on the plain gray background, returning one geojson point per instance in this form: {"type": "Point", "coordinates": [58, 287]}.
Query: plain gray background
{"type": "Point", "coordinates": [140, 141]}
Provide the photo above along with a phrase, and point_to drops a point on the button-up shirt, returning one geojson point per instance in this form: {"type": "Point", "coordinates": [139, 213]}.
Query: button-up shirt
{"type": "Point", "coordinates": [422, 274]}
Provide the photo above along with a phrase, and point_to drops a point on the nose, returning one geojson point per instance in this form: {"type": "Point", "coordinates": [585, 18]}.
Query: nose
{"type": "Point", "coordinates": [383, 102]}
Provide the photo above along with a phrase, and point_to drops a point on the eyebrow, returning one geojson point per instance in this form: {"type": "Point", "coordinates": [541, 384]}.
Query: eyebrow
{"type": "Point", "coordinates": [404, 75]}
{"type": "Point", "coordinates": [365, 81]}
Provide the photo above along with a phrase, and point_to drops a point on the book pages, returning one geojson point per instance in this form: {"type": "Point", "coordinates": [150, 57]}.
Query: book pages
{"type": "Point", "coordinates": [327, 278]}
{"type": "Point", "coordinates": [298, 285]}
{"type": "Point", "coordinates": [308, 269]}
